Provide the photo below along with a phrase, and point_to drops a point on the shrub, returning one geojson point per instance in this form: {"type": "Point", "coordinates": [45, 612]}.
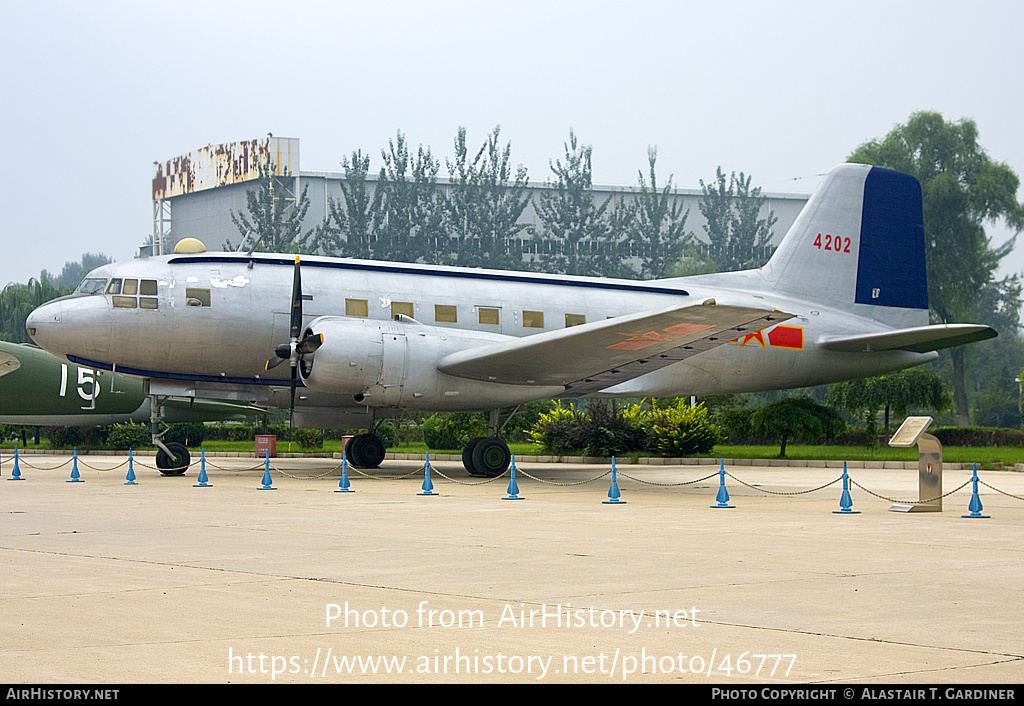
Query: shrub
{"type": "Point", "coordinates": [978, 436]}
{"type": "Point", "coordinates": [388, 432]}
{"type": "Point", "coordinates": [308, 438]}
{"type": "Point", "coordinates": [63, 437]}
{"type": "Point", "coordinates": [129, 435]}
{"type": "Point", "coordinates": [186, 433]}
{"type": "Point", "coordinates": [674, 430]}
{"type": "Point", "coordinates": [448, 430]}
{"type": "Point", "coordinates": [682, 430]}
{"type": "Point", "coordinates": [552, 428]}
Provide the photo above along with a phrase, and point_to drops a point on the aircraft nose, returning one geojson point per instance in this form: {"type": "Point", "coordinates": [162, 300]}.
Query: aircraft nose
{"type": "Point", "coordinates": [42, 324]}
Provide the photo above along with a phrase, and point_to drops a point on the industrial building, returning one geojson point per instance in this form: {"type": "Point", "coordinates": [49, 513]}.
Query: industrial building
{"type": "Point", "coordinates": [195, 194]}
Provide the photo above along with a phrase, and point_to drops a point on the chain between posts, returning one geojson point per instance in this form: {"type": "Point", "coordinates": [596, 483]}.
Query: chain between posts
{"type": "Point", "coordinates": [1003, 492]}
{"type": "Point", "coordinates": [772, 492]}
{"type": "Point", "coordinates": [521, 472]}
{"type": "Point", "coordinates": [911, 502]}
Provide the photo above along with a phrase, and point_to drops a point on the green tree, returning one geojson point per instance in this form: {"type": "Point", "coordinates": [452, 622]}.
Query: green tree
{"type": "Point", "coordinates": [659, 223]}
{"type": "Point", "coordinates": [73, 272]}
{"type": "Point", "coordinates": [573, 225]}
{"type": "Point", "coordinates": [274, 219]}
{"type": "Point", "coordinates": [738, 236]}
{"type": "Point", "coordinates": [484, 203]}
{"type": "Point", "coordinates": [795, 416]}
{"type": "Point", "coordinates": [893, 392]}
{"type": "Point", "coordinates": [18, 300]}
{"type": "Point", "coordinates": [963, 188]}
{"type": "Point", "coordinates": [349, 229]}
{"type": "Point", "coordinates": [409, 221]}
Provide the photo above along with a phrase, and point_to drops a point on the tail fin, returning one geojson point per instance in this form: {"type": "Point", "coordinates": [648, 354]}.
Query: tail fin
{"type": "Point", "coordinates": [858, 245]}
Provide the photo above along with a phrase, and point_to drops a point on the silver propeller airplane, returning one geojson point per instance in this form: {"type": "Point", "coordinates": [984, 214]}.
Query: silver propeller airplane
{"type": "Point", "coordinates": [844, 296]}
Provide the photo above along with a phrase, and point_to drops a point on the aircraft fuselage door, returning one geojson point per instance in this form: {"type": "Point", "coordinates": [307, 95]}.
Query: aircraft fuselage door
{"type": "Point", "coordinates": [394, 364]}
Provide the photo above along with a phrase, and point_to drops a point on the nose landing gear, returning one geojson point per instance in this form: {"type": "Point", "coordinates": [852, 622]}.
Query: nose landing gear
{"type": "Point", "coordinates": [172, 458]}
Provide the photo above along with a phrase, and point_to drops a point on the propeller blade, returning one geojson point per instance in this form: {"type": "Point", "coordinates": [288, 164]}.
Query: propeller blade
{"type": "Point", "coordinates": [296, 320]}
{"type": "Point", "coordinates": [291, 403]}
{"type": "Point", "coordinates": [310, 343]}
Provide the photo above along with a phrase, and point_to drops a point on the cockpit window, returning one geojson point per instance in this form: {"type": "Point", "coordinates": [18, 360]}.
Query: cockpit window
{"type": "Point", "coordinates": [91, 286]}
{"type": "Point", "coordinates": [123, 293]}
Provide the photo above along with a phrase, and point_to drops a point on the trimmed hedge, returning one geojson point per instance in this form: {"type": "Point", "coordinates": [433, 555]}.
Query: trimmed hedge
{"type": "Point", "coordinates": [978, 436]}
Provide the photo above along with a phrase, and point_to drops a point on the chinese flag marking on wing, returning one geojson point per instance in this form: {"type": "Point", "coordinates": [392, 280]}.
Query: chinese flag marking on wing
{"type": "Point", "coordinates": [685, 329]}
{"type": "Point", "coordinates": [756, 336]}
{"type": "Point", "coordinates": [789, 337]}
{"type": "Point", "coordinates": [639, 340]}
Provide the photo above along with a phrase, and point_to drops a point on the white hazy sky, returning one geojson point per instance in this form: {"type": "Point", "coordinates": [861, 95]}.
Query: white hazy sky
{"type": "Point", "coordinates": [94, 92]}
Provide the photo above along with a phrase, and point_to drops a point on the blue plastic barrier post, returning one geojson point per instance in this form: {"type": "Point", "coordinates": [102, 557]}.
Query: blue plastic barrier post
{"type": "Point", "coordinates": [975, 506]}
{"type": "Point", "coordinates": [203, 478]}
{"type": "Point", "coordinates": [845, 501]}
{"type": "Point", "coordinates": [130, 478]}
{"type": "Point", "coordinates": [513, 487]}
{"type": "Point", "coordinates": [723, 494]}
{"type": "Point", "coordinates": [268, 484]}
{"type": "Point", "coordinates": [16, 473]}
{"type": "Point", "coordinates": [343, 484]}
{"type": "Point", "coordinates": [428, 485]}
{"type": "Point", "coordinates": [76, 477]}
{"type": "Point", "coordinates": [613, 490]}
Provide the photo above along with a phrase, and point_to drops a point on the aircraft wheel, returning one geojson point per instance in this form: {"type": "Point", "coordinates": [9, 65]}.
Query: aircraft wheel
{"type": "Point", "coordinates": [176, 464]}
{"type": "Point", "coordinates": [491, 457]}
{"type": "Point", "coordinates": [366, 450]}
{"type": "Point", "coordinates": [467, 455]}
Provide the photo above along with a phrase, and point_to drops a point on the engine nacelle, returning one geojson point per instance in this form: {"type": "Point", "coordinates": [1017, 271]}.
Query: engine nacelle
{"type": "Point", "coordinates": [391, 363]}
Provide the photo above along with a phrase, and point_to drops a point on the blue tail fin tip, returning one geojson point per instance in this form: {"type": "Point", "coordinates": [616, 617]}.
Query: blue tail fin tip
{"type": "Point", "coordinates": [891, 258]}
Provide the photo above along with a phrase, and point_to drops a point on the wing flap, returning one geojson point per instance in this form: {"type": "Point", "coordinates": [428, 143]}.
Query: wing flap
{"type": "Point", "coordinates": [599, 354]}
{"type": "Point", "coordinates": [920, 339]}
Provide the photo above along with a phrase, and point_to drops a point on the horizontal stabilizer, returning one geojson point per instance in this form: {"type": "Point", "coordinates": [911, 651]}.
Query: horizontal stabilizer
{"type": "Point", "coordinates": [600, 354]}
{"type": "Point", "coordinates": [920, 339]}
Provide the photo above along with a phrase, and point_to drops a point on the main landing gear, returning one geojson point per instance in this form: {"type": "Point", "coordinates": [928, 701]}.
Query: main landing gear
{"type": "Point", "coordinates": [365, 450]}
{"type": "Point", "coordinates": [488, 456]}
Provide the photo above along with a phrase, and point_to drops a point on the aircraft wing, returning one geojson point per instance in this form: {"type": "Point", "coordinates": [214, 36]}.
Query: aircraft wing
{"type": "Point", "coordinates": [596, 355]}
{"type": "Point", "coordinates": [920, 339]}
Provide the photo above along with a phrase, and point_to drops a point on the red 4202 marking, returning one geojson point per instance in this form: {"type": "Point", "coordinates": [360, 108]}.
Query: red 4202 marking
{"type": "Point", "coordinates": [835, 243]}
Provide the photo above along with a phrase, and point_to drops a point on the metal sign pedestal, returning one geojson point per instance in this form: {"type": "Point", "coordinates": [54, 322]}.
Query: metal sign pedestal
{"type": "Point", "coordinates": [929, 465]}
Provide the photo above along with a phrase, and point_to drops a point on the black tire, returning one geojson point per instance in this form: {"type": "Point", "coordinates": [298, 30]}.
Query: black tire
{"type": "Point", "coordinates": [491, 457]}
{"type": "Point", "coordinates": [175, 465]}
{"type": "Point", "coordinates": [467, 455]}
{"type": "Point", "coordinates": [366, 450]}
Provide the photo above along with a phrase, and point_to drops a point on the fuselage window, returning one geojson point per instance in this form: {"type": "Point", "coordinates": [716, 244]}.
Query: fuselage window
{"type": "Point", "coordinates": [124, 302]}
{"type": "Point", "coordinates": [533, 319]}
{"type": "Point", "coordinates": [357, 307]}
{"type": "Point", "coordinates": [195, 296]}
{"type": "Point", "coordinates": [575, 319]}
{"type": "Point", "coordinates": [403, 308]}
{"type": "Point", "coordinates": [130, 286]}
{"type": "Point", "coordinates": [147, 287]}
{"type": "Point", "coordinates": [445, 314]}
{"type": "Point", "coordinates": [489, 315]}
